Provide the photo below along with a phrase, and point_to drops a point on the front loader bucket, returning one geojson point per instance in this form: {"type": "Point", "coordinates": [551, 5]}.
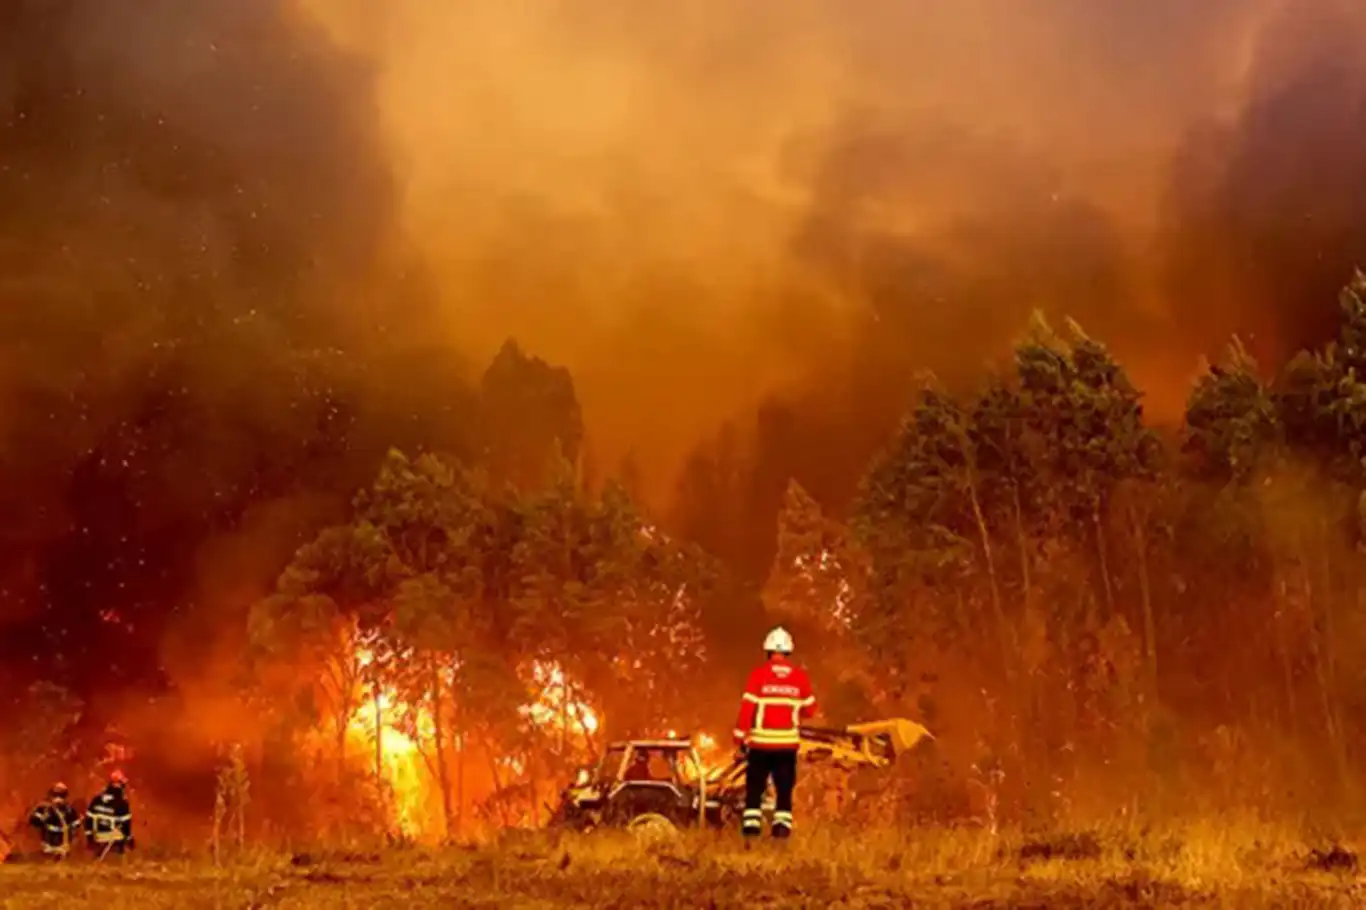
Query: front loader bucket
{"type": "Point", "coordinates": [899, 734]}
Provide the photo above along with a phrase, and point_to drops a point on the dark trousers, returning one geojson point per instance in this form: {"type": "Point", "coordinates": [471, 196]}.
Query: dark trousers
{"type": "Point", "coordinates": [781, 766]}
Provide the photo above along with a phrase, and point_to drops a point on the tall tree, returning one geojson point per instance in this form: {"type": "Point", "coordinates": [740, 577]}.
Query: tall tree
{"type": "Point", "coordinates": [920, 520]}
{"type": "Point", "coordinates": [1232, 422]}
{"type": "Point", "coordinates": [530, 411]}
{"type": "Point", "coordinates": [1088, 418]}
{"type": "Point", "coordinates": [810, 582]}
{"type": "Point", "coordinates": [818, 587]}
{"type": "Point", "coordinates": [712, 499]}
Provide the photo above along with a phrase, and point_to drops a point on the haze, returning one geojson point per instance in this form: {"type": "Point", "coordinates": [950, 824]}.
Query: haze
{"type": "Point", "coordinates": [696, 207]}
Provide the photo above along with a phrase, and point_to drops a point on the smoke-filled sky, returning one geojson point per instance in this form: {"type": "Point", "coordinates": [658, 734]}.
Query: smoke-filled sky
{"type": "Point", "coordinates": [230, 230]}
{"type": "Point", "coordinates": [693, 203]}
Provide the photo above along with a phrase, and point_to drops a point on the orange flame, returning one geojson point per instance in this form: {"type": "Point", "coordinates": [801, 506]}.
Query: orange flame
{"type": "Point", "coordinates": [553, 705]}
{"type": "Point", "coordinates": [401, 762]}
{"type": "Point", "coordinates": [405, 763]}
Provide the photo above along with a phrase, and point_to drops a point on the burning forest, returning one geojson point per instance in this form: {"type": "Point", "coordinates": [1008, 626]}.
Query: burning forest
{"type": "Point", "coordinates": [403, 405]}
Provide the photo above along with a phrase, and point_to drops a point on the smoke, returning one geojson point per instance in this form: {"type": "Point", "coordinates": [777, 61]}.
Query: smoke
{"type": "Point", "coordinates": [698, 208]}
{"type": "Point", "coordinates": [1264, 209]}
{"type": "Point", "coordinates": [246, 245]}
{"type": "Point", "coordinates": [200, 290]}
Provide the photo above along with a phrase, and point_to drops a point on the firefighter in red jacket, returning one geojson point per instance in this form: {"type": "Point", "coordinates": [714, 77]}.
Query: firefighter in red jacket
{"type": "Point", "coordinates": [777, 700]}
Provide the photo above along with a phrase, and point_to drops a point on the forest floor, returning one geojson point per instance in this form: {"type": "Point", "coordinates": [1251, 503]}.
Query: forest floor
{"type": "Point", "coordinates": [1210, 866]}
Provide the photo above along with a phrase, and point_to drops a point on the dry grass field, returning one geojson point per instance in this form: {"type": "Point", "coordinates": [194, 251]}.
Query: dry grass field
{"type": "Point", "coordinates": [1203, 865]}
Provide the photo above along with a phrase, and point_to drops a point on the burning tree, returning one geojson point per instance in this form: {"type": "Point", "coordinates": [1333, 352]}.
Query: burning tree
{"type": "Point", "coordinates": [455, 618]}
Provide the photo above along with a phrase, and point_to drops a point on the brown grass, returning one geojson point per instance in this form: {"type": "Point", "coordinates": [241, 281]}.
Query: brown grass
{"type": "Point", "coordinates": [1208, 864]}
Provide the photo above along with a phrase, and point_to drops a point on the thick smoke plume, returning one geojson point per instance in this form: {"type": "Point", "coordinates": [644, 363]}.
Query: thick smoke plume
{"type": "Point", "coordinates": [201, 294]}
{"type": "Point", "coordinates": [227, 227]}
{"type": "Point", "coordinates": [698, 207]}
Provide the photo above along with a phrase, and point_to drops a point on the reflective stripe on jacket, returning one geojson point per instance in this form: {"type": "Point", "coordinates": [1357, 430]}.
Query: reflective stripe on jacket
{"type": "Point", "coordinates": [56, 824]}
{"type": "Point", "coordinates": [777, 699]}
{"type": "Point", "coordinates": [109, 819]}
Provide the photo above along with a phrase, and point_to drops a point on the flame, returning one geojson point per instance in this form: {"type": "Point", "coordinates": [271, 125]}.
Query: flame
{"type": "Point", "coordinates": [401, 761]}
{"type": "Point", "coordinates": [711, 752]}
{"type": "Point", "coordinates": [553, 707]}
{"type": "Point", "coordinates": [405, 762]}
{"type": "Point", "coordinates": [826, 564]}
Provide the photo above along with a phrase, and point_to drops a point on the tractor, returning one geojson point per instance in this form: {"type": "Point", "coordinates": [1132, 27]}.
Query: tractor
{"type": "Point", "coordinates": [641, 783]}
{"type": "Point", "coordinates": [663, 784]}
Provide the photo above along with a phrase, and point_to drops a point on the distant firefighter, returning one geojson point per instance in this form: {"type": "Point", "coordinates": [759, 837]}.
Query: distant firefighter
{"type": "Point", "coordinates": [109, 820]}
{"type": "Point", "coordinates": [776, 700]}
{"type": "Point", "coordinates": [56, 822]}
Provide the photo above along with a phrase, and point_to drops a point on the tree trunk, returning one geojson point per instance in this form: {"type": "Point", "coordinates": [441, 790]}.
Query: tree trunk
{"type": "Point", "coordinates": [498, 785]}
{"type": "Point", "coordinates": [460, 783]}
{"type": "Point", "coordinates": [1145, 592]}
{"type": "Point", "coordinates": [1026, 570]}
{"type": "Point", "coordinates": [1322, 633]}
{"type": "Point", "coordinates": [564, 714]}
{"type": "Point", "coordinates": [997, 609]}
{"type": "Point", "coordinates": [1103, 549]}
{"type": "Point", "coordinates": [1282, 638]}
{"type": "Point", "coordinates": [1037, 747]}
{"type": "Point", "coordinates": [1004, 632]}
{"type": "Point", "coordinates": [1330, 724]}
{"type": "Point", "coordinates": [533, 779]}
{"type": "Point", "coordinates": [380, 788]}
{"type": "Point", "coordinates": [345, 676]}
{"type": "Point", "coordinates": [343, 719]}
{"type": "Point", "coordinates": [458, 729]}
{"type": "Point", "coordinates": [243, 782]}
{"type": "Point", "coordinates": [379, 738]}
{"type": "Point", "coordinates": [1330, 630]}
{"type": "Point", "coordinates": [443, 774]}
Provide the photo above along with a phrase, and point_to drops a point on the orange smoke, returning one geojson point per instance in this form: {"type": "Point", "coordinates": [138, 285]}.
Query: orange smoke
{"type": "Point", "coordinates": [694, 206]}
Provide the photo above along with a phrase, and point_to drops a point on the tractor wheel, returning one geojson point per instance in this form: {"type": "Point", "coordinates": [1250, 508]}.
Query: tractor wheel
{"type": "Point", "coordinates": [651, 827]}
{"type": "Point", "coordinates": [634, 802]}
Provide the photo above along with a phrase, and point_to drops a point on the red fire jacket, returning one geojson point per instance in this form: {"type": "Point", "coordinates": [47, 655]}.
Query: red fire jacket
{"type": "Point", "coordinates": [776, 700]}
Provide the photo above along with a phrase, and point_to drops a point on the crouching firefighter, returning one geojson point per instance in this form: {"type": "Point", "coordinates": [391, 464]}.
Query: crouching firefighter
{"type": "Point", "coordinates": [56, 822]}
{"type": "Point", "coordinates": [776, 701]}
{"type": "Point", "coordinates": [109, 820]}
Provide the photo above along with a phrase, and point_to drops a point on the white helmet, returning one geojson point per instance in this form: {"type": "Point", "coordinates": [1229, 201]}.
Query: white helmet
{"type": "Point", "coordinates": [778, 641]}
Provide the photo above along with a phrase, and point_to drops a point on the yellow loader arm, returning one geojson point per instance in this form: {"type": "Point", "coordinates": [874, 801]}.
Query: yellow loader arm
{"type": "Point", "coordinates": [874, 744]}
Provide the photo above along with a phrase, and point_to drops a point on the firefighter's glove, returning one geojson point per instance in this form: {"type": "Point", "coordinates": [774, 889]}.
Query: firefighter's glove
{"type": "Point", "coordinates": [741, 752]}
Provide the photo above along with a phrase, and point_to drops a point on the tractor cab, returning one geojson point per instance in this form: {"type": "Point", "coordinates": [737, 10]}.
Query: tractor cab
{"type": "Point", "coordinates": [659, 761]}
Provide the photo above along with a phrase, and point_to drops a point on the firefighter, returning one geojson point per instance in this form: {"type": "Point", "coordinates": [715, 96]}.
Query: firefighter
{"type": "Point", "coordinates": [56, 822]}
{"type": "Point", "coordinates": [109, 820]}
{"type": "Point", "coordinates": [776, 700]}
